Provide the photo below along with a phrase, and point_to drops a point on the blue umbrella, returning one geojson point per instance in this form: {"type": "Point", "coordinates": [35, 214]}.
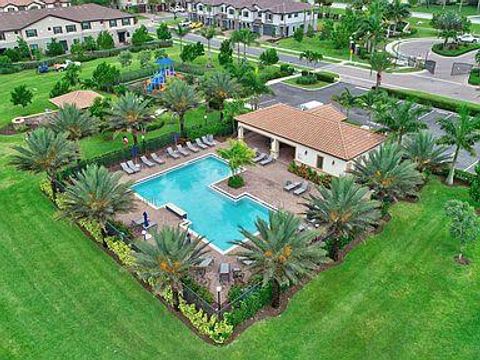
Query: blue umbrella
{"type": "Point", "coordinates": [145, 219]}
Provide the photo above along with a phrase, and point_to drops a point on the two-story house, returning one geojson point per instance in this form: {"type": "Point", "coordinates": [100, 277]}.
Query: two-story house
{"type": "Point", "coordinates": [265, 17]}
{"type": "Point", "coordinates": [65, 24]}
{"type": "Point", "coordinates": [21, 5]}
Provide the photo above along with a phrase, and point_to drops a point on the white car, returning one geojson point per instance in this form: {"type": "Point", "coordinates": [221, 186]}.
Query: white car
{"type": "Point", "coordinates": [66, 64]}
{"type": "Point", "coordinates": [185, 24]}
{"type": "Point", "coordinates": [468, 38]}
{"type": "Point", "coordinates": [177, 9]}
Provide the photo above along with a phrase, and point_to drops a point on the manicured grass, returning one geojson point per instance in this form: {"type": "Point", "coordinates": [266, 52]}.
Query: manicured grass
{"type": "Point", "coordinates": [474, 78]}
{"type": "Point", "coordinates": [317, 85]}
{"type": "Point", "coordinates": [457, 51]}
{"type": "Point", "coordinates": [466, 9]}
{"type": "Point", "coordinates": [399, 295]}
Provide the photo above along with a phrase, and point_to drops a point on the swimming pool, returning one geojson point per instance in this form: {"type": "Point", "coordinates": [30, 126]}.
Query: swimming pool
{"type": "Point", "coordinates": [213, 214]}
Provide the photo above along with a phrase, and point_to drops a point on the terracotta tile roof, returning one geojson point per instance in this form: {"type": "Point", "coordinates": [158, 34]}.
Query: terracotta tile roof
{"type": "Point", "coordinates": [10, 21]}
{"type": "Point", "coordinates": [328, 112]}
{"type": "Point", "coordinates": [82, 99]}
{"type": "Point", "coordinates": [340, 139]}
{"type": "Point", "coordinates": [4, 3]}
{"type": "Point", "coordinates": [275, 6]}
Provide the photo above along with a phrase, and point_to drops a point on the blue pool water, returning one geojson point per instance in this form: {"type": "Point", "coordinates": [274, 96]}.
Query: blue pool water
{"type": "Point", "coordinates": [213, 215]}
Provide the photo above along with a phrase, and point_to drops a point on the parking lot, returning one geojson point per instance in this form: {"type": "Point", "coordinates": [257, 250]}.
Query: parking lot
{"type": "Point", "coordinates": [295, 96]}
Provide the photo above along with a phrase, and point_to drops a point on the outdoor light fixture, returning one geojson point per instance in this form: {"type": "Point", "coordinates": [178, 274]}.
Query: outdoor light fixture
{"type": "Point", "coordinates": [219, 290]}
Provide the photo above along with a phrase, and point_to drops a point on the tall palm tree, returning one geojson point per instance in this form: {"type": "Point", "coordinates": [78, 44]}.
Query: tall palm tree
{"type": "Point", "coordinates": [422, 149]}
{"type": "Point", "coordinates": [218, 87]}
{"type": "Point", "coordinates": [398, 11]}
{"type": "Point", "coordinates": [179, 97]}
{"type": "Point", "coordinates": [248, 37]}
{"type": "Point", "coordinates": [97, 194]}
{"type": "Point", "coordinates": [280, 253]}
{"type": "Point", "coordinates": [372, 102]}
{"type": "Point", "coordinates": [73, 121]}
{"type": "Point", "coordinates": [181, 33]}
{"type": "Point", "coordinates": [129, 112]}
{"type": "Point", "coordinates": [236, 39]}
{"type": "Point", "coordinates": [379, 62]}
{"type": "Point", "coordinates": [346, 99]}
{"type": "Point", "coordinates": [255, 86]}
{"type": "Point", "coordinates": [209, 33]}
{"type": "Point", "coordinates": [168, 259]}
{"type": "Point", "coordinates": [344, 208]}
{"type": "Point", "coordinates": [401, 118]}
{"type": "Point", "coordinates": [45, 151]}
{"type": "Point", "coordinates": [387, 174]}
{"type": "Point", "coordinates": [372, 30]}
{"type": "Point", "coordinates": [462, 133]}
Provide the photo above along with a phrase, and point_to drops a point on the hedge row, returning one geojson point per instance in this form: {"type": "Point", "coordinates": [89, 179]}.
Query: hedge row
{"type": "Point", "coordinates": [457, 51]}
{"type": "Point", "coordinates": [474, 78]}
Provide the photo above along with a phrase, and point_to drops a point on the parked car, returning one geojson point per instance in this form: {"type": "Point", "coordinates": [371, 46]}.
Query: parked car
{"type": "Point", "coordinates": [468, 38]}
{"type": "Point", "coordinates": [196, 25]}
{"type": "Point", "coordinates": [185, 24]}
{"type": "Point", "coordinates": [177, 8]}
{"type": "Point", "coordinates": [66, 64]}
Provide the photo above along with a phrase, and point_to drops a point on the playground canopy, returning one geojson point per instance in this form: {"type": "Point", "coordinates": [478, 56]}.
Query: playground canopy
{"type": "Point", "coordinates": [82, 99]}
{"type": "Point", "coordinates": [164, 62]}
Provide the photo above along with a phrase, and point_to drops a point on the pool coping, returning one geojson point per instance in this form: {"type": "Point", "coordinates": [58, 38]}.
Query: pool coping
{"type": "Point", "coordinates": [185, 224]}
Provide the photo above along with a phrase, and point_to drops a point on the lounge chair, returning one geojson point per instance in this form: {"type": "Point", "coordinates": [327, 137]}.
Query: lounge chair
{"type": "Point", "coordinates": [206, 141]}
{"type": "Point", "coordinates": [146, 161]}
{"type": "Point", "coordinates": [192, 147]}
{"type": "Point", "coordinates": [200, 144]}
{"type": "Point", "coordinates": [157, 159]}
{"type": "Point", "coordinates": [134, 167]}
{"type": "Point", "coordinates": [126, 168]}
{"type": "Point", "coordinates": [211, 139]}
{"type": "Point", "coordinates": [182, 151]}
{"type": "Point", "coordinates": [303, 188]}
{"type": "Point", "coordinates": [171, 153]}
{"type": "Point", "coordinates": [289, 185]}
{"type": "Point", "coordinates": [267, 161]}
{"type": "Point", "coordinates": [259, 157]}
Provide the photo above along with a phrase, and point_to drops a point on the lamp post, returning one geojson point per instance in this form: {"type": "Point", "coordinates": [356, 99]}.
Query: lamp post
{"type": "Point", "coordinates": [219, 291]}
{"type": "Point", "coordinates": [351, 48]}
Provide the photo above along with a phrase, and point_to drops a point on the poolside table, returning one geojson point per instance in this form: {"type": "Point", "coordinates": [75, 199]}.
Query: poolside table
{"type": "Point", "coordinates": [224, 272]}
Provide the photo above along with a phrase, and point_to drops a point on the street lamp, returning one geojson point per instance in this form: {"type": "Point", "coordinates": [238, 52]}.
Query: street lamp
{"type": "Point", "coordinates": [351, 48]}
{"type": "Point", "coordinates": [219, 291]}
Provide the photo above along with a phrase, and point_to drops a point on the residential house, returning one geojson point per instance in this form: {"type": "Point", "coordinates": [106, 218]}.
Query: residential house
{"type": "Point", "coordinates": [277, 18]}
{"type": "Point", "coordinates": [21, 5]}
{"type": "Point", "coordinates": [65, 24]}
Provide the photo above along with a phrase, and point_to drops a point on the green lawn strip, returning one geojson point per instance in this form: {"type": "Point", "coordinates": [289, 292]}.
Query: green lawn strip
{"type": "Point", "coordinates": [316, 86]}
{"type": "Point", "coordinates": [460, 50]}
{"type": "Point", "coordinates": [433, 9]}
{"type": "Point", "coordinates": [474, 78]}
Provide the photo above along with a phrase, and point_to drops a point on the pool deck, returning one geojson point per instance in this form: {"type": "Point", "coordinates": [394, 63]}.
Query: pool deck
{"type": "Point", "coordinates": [264, 183]}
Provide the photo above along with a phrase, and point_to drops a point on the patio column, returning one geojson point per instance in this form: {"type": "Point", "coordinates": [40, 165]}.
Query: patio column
{"type": "Point", "coordinates": [274, 148]}
{"type": "Point", "coordinates": [240, 132]}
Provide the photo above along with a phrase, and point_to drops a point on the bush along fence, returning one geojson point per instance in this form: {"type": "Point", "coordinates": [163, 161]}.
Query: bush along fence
{"type": "Point", "coordinates": [310, 174]}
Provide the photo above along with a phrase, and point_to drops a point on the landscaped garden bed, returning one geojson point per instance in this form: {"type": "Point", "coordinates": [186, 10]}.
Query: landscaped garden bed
{"type": "Point", "coordinates": [454, 50]}
{"type": "Point", "coordinates": [474, 77]}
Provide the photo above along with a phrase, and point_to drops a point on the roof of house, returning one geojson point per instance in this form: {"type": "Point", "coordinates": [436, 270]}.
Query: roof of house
{"type": "Point", "coordinates": [10, 21]}
{"type": "Point", "coordinates": [4, 3]}
{"type": "Point", "coordinates": [328, 112]}
{"type": "Point", "coordinates": [82, 99]}
{"type": "Point", "coordinates": [342, 140]}
{"type": "Point", "coordinates": [275, 6]}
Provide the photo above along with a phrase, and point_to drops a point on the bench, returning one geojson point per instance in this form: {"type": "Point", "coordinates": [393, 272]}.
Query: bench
{"type": "Point", "coordinates": [176, 210]}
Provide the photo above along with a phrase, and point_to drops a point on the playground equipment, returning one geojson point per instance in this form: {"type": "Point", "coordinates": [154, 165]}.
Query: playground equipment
{"type": "Point", "coordinates": [158, 81]}
{"type": "Point", "coordinates": [42, 68]}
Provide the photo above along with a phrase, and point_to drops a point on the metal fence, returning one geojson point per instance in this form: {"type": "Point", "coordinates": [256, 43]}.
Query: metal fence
{"type": "Point", "coordinates": [459, 68]}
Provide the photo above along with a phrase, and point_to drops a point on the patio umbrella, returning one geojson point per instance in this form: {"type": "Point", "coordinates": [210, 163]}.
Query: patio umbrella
{"type": "Point", "coordinates": [145, 219]}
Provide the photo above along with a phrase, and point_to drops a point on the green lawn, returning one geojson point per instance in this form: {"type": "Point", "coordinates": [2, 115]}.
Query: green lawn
{"type": "Point", "coordinates": [466, 9]}
{"type": "Point", "coordinates": [316, 86]}
{"type": "Point", "coordinates": [400, 295]}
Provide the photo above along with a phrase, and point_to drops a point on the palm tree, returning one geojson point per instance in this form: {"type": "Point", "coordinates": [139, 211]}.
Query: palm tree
{"type": "Point", "coordinates": [168, 259]}
{"type": "Point", "coordinates": [312, 57]}
{"type": "Point", "coordinates": [248, 37]}
{"type": "Point", "coordinates": [231, 109]}
{"type": "Point", "coordinates": [379, 62]}
{"type": "Point", "coordinates": [280, 253]}
{"type": "Point", "coordinates": [422, 149]}
{"type": "Point", "coordinates": [344, 208]}
{"type": "Point", "coordinates": [76, 123]}
{"type": "Point", "coordinates": [255, 86]}
{"type": "Point", "coordinates": [238, 155]}
{"type": "Point", "coordinates": [45, 151]}
{"type": "Point", "coordinates": [181, 33]}
{"type": "Point", "coordinates": [218, 87]}
{"type": "Point", "coordinates": [179, 97]}
{"type": "Point", "coordinates": [372, 101]}
{"type": "Point", "coordinates": [401, 118]}
{"type": "Point", "coordinates": [208, 33]}
{"type": "Point", "coordinates": [236, 38]}
{"type": "Point", "coordinates": [97, 194]}
{"type": "Point", "coordinates": [346, 99]}
{"type": "Point", "coordinates": [398, 11]}
{"type": "Point", "coordinates": [386, 173]}
{"type": "Point", "coordinates": [462, 133]}
{"type": "Point", "coordinates": [129, 112]}
{"type": "Point", "coordinates": [372, 30]}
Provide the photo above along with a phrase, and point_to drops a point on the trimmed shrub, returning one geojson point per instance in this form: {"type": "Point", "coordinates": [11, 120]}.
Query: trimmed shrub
{"type": "Point", "coordinates": [310, 174]}
{"type": "Point", "coordinates": [198, 289]}
{"type": "Point", "coordinates": [326, 76]}
{"type": "Point", "coordinates": [474, 78]}
{"type": "Point", "coordinates": [236, 181]}
{"type": "Point", "coordinates": [121, 250]}
{"type": "Point", "coordinates": [309, 79]}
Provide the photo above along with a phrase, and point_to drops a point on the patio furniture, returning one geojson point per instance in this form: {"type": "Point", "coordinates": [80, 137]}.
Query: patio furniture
{"type": "Point", "coordinates": [290, 185]}
{"type": "Point", "coordinates": [237, 273]}
{"type": "Point", "coordinates": [192, 147]}
{"type": "Point", "coordinates": [302, 227]}
{"type": "Point", "coordinates": [206, 141]}
{"type": "Point", "coordinates": [224, 272]}
{"type": "Point", "coordinates": [172, 153]}
{"type": "Point", "coordinates": [126, 168]}
{"type": "Point", "coordinates": [267, 161]}
{"type": "Point", "coordinates": [244, 260]}
{"type": "Point", "coordinates": [157, 159]}
{"type": "Point", "coordinates": [151, 225]}
{"type": "Point", "coordinates": [200, 144]}
{"type": "Point", "coordinates": [259, 157]}
{"type": "Point", "coordinates": [134, 167]}
{"type": "Point", "coordinates": [141, 222]}
{"type": "Point", "coordinates": [211, 139]}
{"type": "Point", "coordinates": [302, 189]}
{"type": "Point", "coordinates": [182, 151]}
{"type": "Point", "coordinates": [146, 161]}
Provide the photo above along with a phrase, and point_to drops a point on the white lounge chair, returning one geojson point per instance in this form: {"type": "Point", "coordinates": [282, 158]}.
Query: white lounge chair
{"type": "Point", "coordinates": [157, 159]}
{"type": "Point", "coordinates": [290, 185]}
{"type": "Point", "coordinates": [126, 168]}
{"type": "Point", "coordinates": [200, 144]}
{"type": "Point", "coordinates": [146, 161]}
{"type": "Point", "coordinates": [303, 188]}
{"type": "Point", "coordinates": [192, 147]}
{"type": "Point", "coordinates": [134, 167]}
{"type": "Point", "coordinates": [206, 141]}
{"type": "Point", "coordinates": [267, 161]}
{"type": "Point", "coordinates": [259, 157]}
{"type": "Point", "coordinates": [171, 153]}
{"type": "Point", "coordinates": [211, 139]}
{"type": "Point", "coordinates": [182, 151]}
